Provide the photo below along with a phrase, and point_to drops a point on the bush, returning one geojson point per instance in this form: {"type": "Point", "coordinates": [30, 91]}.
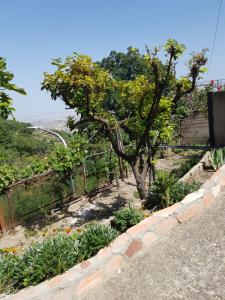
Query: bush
{"type": "Point", "coordinates": [52, 257]}
{"type": "Point", "coordinates": [160, 191]}
{"type": "Point", "coordinates": [181, 189]}
{"type": "Point", "coordinates": [47, 259]}
{"type": "Point", "coordinates": [95, 237]}
{"type": "Point", "coordinates": [126, 218]}
{"type": "Point", "coordinates": [167, 190]}
{"type": "Point", "coordinates": [8, 266]}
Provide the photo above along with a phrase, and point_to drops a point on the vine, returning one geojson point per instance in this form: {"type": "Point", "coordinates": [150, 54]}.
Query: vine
{"type": "Point", "coordinates": [62, 161]}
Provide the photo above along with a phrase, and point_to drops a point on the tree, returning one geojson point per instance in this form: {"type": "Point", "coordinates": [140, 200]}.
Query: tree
{"type": "Point", "coordinates": [6, 77]}
{"type": "Point", "coordinates": [145, 104]}
{"type": "Point", "coordinates": [125, 66]}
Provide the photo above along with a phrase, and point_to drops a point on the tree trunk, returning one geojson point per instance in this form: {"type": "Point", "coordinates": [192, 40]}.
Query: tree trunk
{"type": "Point", "coordinates": [140, 178]}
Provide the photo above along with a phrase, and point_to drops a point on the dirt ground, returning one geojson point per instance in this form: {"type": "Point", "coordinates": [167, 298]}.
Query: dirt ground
{"type": "Point", "coordinates": [87, 209]}
{"type": "Point", "coordinates": [92, 208]}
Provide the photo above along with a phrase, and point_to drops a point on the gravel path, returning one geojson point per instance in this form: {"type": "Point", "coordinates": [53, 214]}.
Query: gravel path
{"type": "Point", "coordinates": [188, 263]}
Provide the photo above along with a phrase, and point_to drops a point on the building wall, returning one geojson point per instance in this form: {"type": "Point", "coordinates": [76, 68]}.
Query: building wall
{"type": "Point", "coordinates": [195, 130]}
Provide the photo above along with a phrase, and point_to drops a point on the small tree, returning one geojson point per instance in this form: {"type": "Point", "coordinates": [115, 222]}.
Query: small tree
{"type": "Point", "coordinates": [6, 77]}
{"type": "Point", "coordinates": [145, 104]}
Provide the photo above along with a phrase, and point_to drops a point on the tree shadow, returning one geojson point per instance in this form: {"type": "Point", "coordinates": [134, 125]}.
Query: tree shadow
{"type": "Point", "coordinates": [83, 214]}
{"type": "Point", "coordinates": [103, 211]}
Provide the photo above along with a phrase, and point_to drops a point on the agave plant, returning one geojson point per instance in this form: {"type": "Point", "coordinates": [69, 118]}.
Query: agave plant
{"type": "Point", "coordinates": [217, 158]}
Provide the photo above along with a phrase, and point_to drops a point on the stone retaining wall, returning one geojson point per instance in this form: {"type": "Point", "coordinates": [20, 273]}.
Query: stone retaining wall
{"type": "Point", "coordinates": [197, 169]}
{"type": "Point", "coordinates": [92, 272]}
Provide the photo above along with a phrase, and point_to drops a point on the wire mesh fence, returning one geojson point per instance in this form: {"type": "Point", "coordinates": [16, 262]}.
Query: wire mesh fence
{"type": "Point", "coordinates": [30, 199]}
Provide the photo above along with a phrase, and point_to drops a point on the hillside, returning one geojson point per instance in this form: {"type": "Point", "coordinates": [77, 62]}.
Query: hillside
{"type": "Point", "coordinates": [17, 142]}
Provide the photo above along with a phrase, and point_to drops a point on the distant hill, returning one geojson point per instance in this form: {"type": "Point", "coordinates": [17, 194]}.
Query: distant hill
{"type": "Point", "coordinates": [17, 141]}
{"type": "Point", "coordinates": [58, 124]}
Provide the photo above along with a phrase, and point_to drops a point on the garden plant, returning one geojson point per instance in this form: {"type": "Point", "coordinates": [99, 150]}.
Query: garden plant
{"type": "Point", "coordinates": [144, 105]}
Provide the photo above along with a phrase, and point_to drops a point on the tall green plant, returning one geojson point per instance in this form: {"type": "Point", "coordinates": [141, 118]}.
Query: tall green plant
{"type": "Point", "coordinates": [217, 158]}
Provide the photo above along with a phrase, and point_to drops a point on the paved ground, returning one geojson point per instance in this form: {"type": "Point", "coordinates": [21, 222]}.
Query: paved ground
{"type": "Point", "coordinates": [189, 263]}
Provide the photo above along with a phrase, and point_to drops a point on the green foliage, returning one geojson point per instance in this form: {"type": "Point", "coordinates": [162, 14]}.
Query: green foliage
{"type": "Point", "coordinates": [133, 72]}
{"type": "Point", "coordinates": [8, 267]}
{"type": "Point", "coordinates": [82, 83]}
{"type": "Point", "coordinates": [162, 126]}
{"type": "Point", "coordinates": [139, 98]}
{"type": "Point", "coordinates": [54, 256]}
{"type": "Point", "coordinates": [85, 86]}
{"type": "Point", "coordinates": [17, 142]}
{"type": "Point", "coordinates": [166, 190]}
{"type": "Point", "coordinates": [217, 158]}
{"type": "Point", "coordinates": [11, 174]}
{"type": "Point", "coordinates": [160, 191]}
{"type": "Point", "coordinates": [35, 199]}
{"type": "Point", "coordinates": [186, 166]}
{"type": "Point", "coordinates": [62, 160]}
{"type": "Point", "coordinates": [173, 47]}
{"type": "Point", "coordinates": [180, 189]}
{"type": "Point", "coordinates": [6, 77]}
{"type": "Point", "coordinates": [47, 259]}
{"type": "Point", "coordinates": [101, 166]}
{"type": "Point", "coordinates": [65, 159]}
{"type": "Point", "coordinates": [125, 66]}
{"type": "Point", "coordinates": [126, 218]}
{"type": "Point", "coordinates": [93, 238]}
{"type": "Point", "coordinates": [7, 177]}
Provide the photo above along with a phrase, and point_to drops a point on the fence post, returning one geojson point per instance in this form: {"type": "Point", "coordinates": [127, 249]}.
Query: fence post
{"type": "Point", "coordinates": [84, 177]}
{"type": "Point", "coordinates": [2, 222]}
{"type": "Point", "coordinates": [8, 194]}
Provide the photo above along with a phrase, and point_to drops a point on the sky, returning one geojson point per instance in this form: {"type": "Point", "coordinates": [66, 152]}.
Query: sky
{"type": "Point", "coordinates": [35, 31]}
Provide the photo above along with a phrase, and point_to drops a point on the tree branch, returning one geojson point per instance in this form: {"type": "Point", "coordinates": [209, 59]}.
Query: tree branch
{"type": "Point", "coordinates": [109, 133]}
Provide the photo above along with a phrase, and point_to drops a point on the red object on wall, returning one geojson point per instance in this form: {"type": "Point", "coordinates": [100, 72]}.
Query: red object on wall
{"type": "Point", "coordinates": [219, 88]}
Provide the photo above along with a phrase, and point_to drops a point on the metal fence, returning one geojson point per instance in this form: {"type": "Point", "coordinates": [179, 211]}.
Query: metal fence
{"type": "Point", "coordinates": [28, 199]}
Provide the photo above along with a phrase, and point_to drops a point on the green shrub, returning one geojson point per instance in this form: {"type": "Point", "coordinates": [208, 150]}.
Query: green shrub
{"type": "Point", "coordinates": [180, 189]}
{"type": "Point", "coordinates": [126, 218]}
{"type": "Point", "coordinates": [95, 237]}
{"type": "Point", "coordinates": [167, 190]}
{"type": "Point", "coordinates": [47, 259]}
{"type": "Point", "coordinates": [160, 191]}
{"type": "Point", "coordinates": [8, 266]}
{"type": "Point", "coordinates": [54, 256]}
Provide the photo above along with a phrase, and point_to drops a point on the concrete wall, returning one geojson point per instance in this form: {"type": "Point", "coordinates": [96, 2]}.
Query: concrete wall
{"type": "Point", "coordinates": [195, 129]}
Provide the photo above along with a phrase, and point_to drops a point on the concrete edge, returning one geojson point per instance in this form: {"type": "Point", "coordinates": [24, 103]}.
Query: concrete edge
{"type": "Point", "coordinates": [197, 168]}
{"type": "Point", "coordinates": [90, 273]}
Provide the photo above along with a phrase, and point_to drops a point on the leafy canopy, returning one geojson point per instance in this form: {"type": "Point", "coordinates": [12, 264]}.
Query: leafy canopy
{"type": "Point", "coordinates": [79, 82]}
{"type": "Point", "coordinates": [144, 103]}
{"type": "Point", "coordinates": [6, 107]}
